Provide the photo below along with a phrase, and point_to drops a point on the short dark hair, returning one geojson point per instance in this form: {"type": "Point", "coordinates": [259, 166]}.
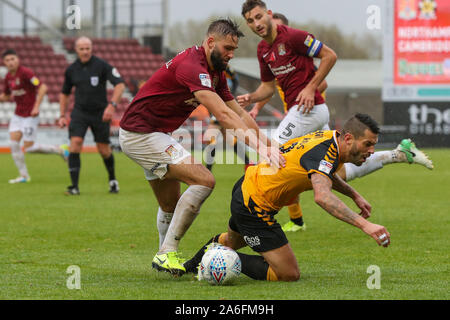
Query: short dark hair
{"type": "Point", "coordinates": [282, 17]}
{"type": "Point", "coordinates": [250, 4]}
{"type": "Point", "coordinates": [224, 27]}
{"type": "Point", "coordinates": [8, 52]}
{"type": "Point", "coordinates": [357, 124]}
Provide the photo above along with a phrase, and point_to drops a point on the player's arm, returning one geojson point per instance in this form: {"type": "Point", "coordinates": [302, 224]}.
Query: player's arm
{"type": "Point", "coordinates": [42, 90]}
{"type": "Point", "coordinates": [264, 91]}
{"type": "Point", "coordinates": [117, 94]}
{"type": "Point", "coordinates": [64, 98]}
{"type": "Point", "coordinates": [228, 119]}
{"type": "Point", "coordinates": [63, 102]}
{"type": "Point", "coordinates": [257, 107]}
{"type": "Point", "coordinates": [327, 60]}
{"type": "Point", "coordinates": [113, 76]}
{"type": "Point", "coordinates": [322, 86]}
{"type": "Point", "coordinates": [326, 199]}
{"type": "Point", "coordinates": [343, 187]}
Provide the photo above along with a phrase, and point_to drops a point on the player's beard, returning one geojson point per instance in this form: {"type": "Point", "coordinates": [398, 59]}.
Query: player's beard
{"type": "Point", "coordinates": [217, 62]}
{"type": "Point", "coordinates": [357, 156]}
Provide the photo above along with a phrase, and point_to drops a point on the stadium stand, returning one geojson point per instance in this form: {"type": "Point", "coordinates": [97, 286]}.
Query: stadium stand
{"type": "Point", "coordinates": [136, 63]}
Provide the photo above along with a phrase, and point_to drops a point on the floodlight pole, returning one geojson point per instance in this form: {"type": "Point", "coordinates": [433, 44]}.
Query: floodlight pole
{"type": "Point", "coordinates": [165, 23]}
{"type": "Point", "coordinates": [24, 18]}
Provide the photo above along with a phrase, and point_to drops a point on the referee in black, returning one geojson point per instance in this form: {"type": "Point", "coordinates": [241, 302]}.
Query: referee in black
{"type": "Point", "coordinates": [88, 74]}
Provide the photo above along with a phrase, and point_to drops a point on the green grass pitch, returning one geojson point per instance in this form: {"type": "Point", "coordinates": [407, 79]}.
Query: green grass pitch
{"type": "Point", "coordinates": [113, 238]}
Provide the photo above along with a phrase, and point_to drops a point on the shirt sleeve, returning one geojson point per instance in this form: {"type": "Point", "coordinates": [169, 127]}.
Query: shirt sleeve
{"type": "Point", "coordinates": [29, 76]}
{"type": "Point", "coordinates": [67, 85]}
{"type": "Point", "coordinates": [194, 77]}
{"type": "Point", "coordinates": [112, 74]}
{"type": "Point", "coordinates": [304, 43]}
{"type": "Point", "coordinates": [264, 70]}
{"type": "Point", "coordinates": [321, 159]}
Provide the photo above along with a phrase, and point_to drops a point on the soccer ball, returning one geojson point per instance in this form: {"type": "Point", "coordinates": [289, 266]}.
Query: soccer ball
{"type": "Point", "coordinates": [220, 264]}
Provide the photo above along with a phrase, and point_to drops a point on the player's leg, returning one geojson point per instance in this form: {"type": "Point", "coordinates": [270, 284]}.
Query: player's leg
{"type": "Point", "coordinates": [74, 163]}
{"type": "Point", "coordinates": [295, 222]}
{"type": "Point", "coordinates": [162, 157]}
{"type": "Point", "coordinates": [18, 157]}
{"type": "Point", "coordinates": [16, 133]}
{"type": "Point", "coordinates": [31, 146]}
{"type": "Point", "coordinates": [406, 152]}
{"type": "Point", "coordinates": [167, 193]}
{"type": "Point", "coordinates": [101, 132]}
{"type": "Point", "coordinates": [238, 148]}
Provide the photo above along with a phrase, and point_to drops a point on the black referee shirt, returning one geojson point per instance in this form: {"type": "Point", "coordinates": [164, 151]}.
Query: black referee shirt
{"type": "Point", "coordinates": [89, 80]}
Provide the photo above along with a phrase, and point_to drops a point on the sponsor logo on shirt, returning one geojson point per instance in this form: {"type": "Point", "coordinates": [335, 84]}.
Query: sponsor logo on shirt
{"type": "Point", "coordinates": [205, 79]}
{"type": "Point", "coordinates": [252, 241]}
{"type": "Point", "coordinates": [272, 57]}
{"type": "Point", "coordinates": [325, 166]}
{"type": "Point", "coordinates": [18, 93]}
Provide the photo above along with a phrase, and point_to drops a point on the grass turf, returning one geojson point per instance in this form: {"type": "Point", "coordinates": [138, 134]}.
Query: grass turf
{"type": "Point", "coordinates": [113, 238]}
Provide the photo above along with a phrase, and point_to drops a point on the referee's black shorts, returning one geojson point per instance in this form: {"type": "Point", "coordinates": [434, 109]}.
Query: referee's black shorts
{"type": "Point", "coordinates": [258, 227]}
{"type": "Point", "coordinates": [81, 120]}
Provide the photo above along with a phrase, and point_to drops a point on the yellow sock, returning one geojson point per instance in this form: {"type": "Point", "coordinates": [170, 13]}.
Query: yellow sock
{"type": "Point", "coordinates": [271, 276]}
{"type": "Point", "coordinates": [222, 238]}
{"type": "Point", "coordinates": [295, 211]}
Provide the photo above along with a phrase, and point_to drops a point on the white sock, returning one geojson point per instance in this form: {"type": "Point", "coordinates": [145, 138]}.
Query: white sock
{"type": "Point", "coordinates": [162, 223]}
{"type": "Point", "coordinates": [19, 158]}
{"type": "Point", "coordinates": [187, 209]}
{"type": "Point", "coordinates": [373, 163]}
{"type": "Point", "coordinates": [43, 148]}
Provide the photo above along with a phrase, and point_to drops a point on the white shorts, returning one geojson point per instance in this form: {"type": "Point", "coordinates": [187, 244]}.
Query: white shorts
{"type": "Point", "coordinates": [152, 151]}
{"type": "Point", "coordinates": [27, 125]}
{"type": "Point", "coordinates": [296, 124]}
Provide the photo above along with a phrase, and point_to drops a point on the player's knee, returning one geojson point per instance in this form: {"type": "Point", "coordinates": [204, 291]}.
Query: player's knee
{"type": "Point", "coordinates": [290, 275]}
{"type": "Point", "coordinates": [207, 179]}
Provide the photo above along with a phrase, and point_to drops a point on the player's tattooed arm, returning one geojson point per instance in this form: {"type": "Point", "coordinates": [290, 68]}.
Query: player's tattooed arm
{"type": "Point", "coordinates": [325, 198]}
{"type": "Point", "coordinates": [343, 187]}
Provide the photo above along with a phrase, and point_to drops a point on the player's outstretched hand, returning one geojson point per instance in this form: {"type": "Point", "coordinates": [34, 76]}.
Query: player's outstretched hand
{"type": "Point", "coordinates": [243, 100]}
{"type": "Point", "coordinates": [365, 207]}
{"type": "Point", "coordinates": [254, 112]}
{"type": "Point", "coordinates": [378, 233]}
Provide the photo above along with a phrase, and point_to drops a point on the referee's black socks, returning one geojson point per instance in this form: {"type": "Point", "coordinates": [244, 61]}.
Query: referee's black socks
{"type": "Point", "coordinates": [109, 164]}
{"type": "Point", "coordinates": [74, 168]}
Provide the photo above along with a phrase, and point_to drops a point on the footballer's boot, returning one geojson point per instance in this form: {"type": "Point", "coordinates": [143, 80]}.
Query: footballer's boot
{"type": "Point", "coordinates": [64, 152]}
{"type": "Point", "coordinates": [292, 227]}
{"type": "Point", "coordinates": [194, 264]}
{"type": "Point", "coordinates": [20, 179]}
{"type": "Point", "coordinates": [72, 191]}
{"type": "Point", "coordinates": [113, 186]}
{"type": "Point", "coordinates": [414, 155]}
{"type": "Point", "coordinates": [169, 262]}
